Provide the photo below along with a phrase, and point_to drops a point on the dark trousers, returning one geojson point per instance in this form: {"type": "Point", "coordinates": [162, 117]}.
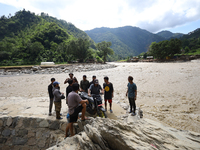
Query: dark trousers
{"type": "Point", "coordinates": [132, 104]}
{"type": "Point", "coordinates": [50, 104]}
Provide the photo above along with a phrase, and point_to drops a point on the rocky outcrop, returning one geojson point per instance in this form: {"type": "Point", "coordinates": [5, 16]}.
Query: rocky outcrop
{"type": "Point", "coordinates": [54, 69]}
{"type": "Point", "coordinates": [30, 133]}
{"type": "Point", "coordinates": [106, 134]}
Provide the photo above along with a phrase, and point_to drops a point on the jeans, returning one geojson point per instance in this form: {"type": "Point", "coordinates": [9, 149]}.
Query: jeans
{"type": "Point", "coordinates": [132, 104]}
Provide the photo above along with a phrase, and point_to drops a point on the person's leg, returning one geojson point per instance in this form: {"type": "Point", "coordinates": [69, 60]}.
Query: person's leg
{"type": "Point", "coordinates": [130, 102]}
{"type": "Point", "coordinates": [50, 106]}
{"type": "Point", "coordinates": [83, 111]}
{"type": "Point", "coordinates": [106, 104]}
{"type": "Point", "coordinates": [57, 108]}
{"type": "Point", "coordinates": [134, 106]}
{"type": "Point", "coordinates": [71, 129]}
{"type": "Point", "coordinates": [67, 130]}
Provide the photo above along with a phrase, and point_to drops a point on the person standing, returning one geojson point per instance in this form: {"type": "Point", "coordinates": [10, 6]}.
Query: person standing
{"type": "Point", "coordinates": [50, 88]}
{"type": "Point", "coordinates": [84, 85]}
{"type": "Point", "coordinates": [71, 76]}
{"type": "Point", "coordinates": [57, 98]}
{"type": "Point", "coordinates": [75, 105]}
{"type": "Point", "coordinates": [108, 93]}
{"type": "Point", "coordinates": [132, 95]}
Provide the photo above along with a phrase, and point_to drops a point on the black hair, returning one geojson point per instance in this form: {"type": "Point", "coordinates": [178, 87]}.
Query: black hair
{"type": "Point", "coordinates": [70, 81]}
{"type": "Point", "coordinates": [130, 78]}
{"type": "Point", "coordinates": [85, 76]}
{"type": "Point", "coordinates": [93, 76]}
{"type": "Point", "coordinates": [75, 86]}
{"type": "Point", "coordinates": [106, 78]}
{"type": "Point", "coordinates": [53, 79]}
{"type": "Point", "coordinates": [71, 73]}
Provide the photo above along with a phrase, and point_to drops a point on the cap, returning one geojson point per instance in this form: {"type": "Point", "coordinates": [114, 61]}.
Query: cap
{"type": "Point", "coordinates": [96, 81]}
{"type": "Point", "coordinates": [56, 82]}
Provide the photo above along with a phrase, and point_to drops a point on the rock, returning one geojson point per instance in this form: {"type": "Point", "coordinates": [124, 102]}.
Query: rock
{"type": "Point", "coordinates": [1, 123]}
{"type": "Point", "coordinates": [44, 124]}
{"type": "Point", "coordinates": [9, 121]}
{"type": "Point", "coordinates": [124, 105]}
{"type": "Point", "coordinates": [19, 141]}
{"type": "Point", "coordinates": [107, 134]}
{"type": "Point", "coordinates": [31, 141]}
{"type": "Point", "coordinates": [6, 132]}
{"type": "Point", "coordinates": [3, 140]}
{"type": "Point", "coordinates": [22, 132]}
{"type": "Point", "coordinates": [54, 125]}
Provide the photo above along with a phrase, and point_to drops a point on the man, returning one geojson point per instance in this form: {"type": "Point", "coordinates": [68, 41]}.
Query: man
{"type": "Point", "coordinates": [108, 93]}
{"type": "Point", "coordinates": [69, 89]}
{"type": "Point", "coordinates": [84, 85]}
{"type": "Point", "coordinates": [92, 82]}
{"type": "Point", "coordinates": [50, 88]}
{"type": "Point", "coordinates": [132, 95]}
{"type": "Point", "coordinates": [71, 76]}
{"type": "Point", "coordinates": [75, 105]}
{"type": "Point", "coordinates": [57, 98]}
{"type": "Point", "coordinates": [95, 88]}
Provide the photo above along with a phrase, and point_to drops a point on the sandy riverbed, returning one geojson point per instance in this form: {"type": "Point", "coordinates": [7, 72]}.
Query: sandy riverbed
{"type": "Point", "coordinates": [167, 92]}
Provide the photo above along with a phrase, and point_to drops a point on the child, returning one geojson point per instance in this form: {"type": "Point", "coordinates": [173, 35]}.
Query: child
{"type": "Point", "coordinates": [132, 95]}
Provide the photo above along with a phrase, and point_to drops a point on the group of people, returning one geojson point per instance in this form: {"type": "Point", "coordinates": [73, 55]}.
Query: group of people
{"type": "Point", "coordinates": [77, 105]}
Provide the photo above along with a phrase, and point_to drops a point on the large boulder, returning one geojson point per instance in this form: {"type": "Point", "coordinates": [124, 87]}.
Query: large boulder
{"type": "Point", "coordinates": [105, 134]}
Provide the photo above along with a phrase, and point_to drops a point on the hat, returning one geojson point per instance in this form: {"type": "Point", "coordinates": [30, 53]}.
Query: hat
{"type": "Point", "coordinates": [96, 81]}
{"type": "Point", "coordinates": [56, 82]}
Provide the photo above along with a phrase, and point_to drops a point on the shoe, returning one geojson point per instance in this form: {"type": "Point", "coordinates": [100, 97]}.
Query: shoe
{"type": "Point", "coordinates": [50, 114]}
{"type": "Point", "coordinates": [59, 118]}
{"type": "Point", "coordinates": [130, 111]}
{"type": "Point", "coordinates": [111, 111]}
{"type": "Point", "coordinates": [133, 114]}
{"type": "Point", "coordinates": [60, 114]}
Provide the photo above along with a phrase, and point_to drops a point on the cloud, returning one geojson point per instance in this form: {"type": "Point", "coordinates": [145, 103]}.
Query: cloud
{"type": "Point", "coordinates": [152, 15]}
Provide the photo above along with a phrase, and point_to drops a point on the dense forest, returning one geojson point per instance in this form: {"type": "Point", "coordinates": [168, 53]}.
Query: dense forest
{"type": "Point", "coordinates": [26, 38]}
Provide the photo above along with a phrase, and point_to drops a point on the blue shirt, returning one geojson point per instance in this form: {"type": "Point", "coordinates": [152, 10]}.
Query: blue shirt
{"type": "Point", "coordinates": [131, 90]}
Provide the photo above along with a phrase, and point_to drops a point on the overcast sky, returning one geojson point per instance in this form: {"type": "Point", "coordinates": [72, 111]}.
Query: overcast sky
{"type": "Point", "coordinates": [153, 15]}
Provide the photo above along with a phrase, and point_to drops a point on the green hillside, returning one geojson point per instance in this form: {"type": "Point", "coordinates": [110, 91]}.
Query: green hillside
{"type": "Point", "coordinates": [169, 35]}
{"type": "Point", "coordinates": [126, 40]}
{"type": "Point", "coordinates": [27, 38]}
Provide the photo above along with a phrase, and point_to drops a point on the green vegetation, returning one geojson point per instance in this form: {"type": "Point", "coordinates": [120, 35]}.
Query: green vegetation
{"type": "Point", "coordinates": [165, 48]}
{"type": "Point", "coordinates": [29, 39]}
{"type": "Point", "coordinates": [126, 41]}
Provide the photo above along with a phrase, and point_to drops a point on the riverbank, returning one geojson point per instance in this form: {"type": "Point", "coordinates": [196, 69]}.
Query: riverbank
{"type": "Point", "coordinates": [167, 92]}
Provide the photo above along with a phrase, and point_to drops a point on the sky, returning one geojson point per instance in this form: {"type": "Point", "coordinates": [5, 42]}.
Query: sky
{"type": "Point", "coordinates": [177, 16]}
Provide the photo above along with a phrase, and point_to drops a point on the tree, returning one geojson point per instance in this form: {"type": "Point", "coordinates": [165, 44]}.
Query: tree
{"type": "Point", "coordinates": [104, 47]}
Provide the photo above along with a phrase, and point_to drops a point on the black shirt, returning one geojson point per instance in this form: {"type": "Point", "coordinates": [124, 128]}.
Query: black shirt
{"type": "Point", "coordinates": [108, 90]}
{"type": "Point", "coordinates": [50, 88]}
{"type": "Point", "coordinates": [68, 90]}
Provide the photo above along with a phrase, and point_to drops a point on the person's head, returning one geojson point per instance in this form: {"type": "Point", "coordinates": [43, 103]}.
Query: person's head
{"type": "Point", "coordinates": [56, 84]}
{"type": "Point", "coordinates": [96, 82]}
{"type": "Point", "coordinates": [52, 80]}
{"type": "Point", "coordinates": [70, 81]}
{"type": "Point", "coordinates": [93, 77]}
{"type": "Point", "coordinates": [106, 79]}
{"type": "Point", "coordinates": [75, 87]}
{"type": "Point", "coordinates": [71, 75]}
{"type": "Point", "coordinates": [130, 79]}
{"type": "Point", "coordinates": [75, 80]}
{"type": "Point", "coordinates": [84, 77]}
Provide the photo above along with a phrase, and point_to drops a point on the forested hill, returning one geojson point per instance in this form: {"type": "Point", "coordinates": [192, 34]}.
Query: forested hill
{"type": "Point", "coordinates": [169, 35]}
{"type": "Point", "coordinates": [26, 38]}
{"type": "Point", "coordinates": [126, 41]}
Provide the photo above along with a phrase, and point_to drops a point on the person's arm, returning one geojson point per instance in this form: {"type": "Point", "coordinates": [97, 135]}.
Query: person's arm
{"type": "Point", "coordinates": [89, 90]}
{"type": "Point", "coordinates": [66, 81]}
{"type": "Point", "coordinates": [127, 91]}
{"type": "Point", "coordinates": [135, 95]}
{"type": "Point", "coordinates": [84, 101]}
{"type": "Point", "coordinates": [102, 90]}
{"type": "Point", "coordinates": [112, 91]}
